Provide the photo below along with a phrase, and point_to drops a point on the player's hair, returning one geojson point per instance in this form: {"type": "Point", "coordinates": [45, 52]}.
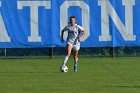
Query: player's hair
{"type": "Point", "coordinates": [71, 18]}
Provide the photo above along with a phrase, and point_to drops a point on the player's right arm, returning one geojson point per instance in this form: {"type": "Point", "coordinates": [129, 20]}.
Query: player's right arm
{"type": "Point", "coordinates": [62, 33]}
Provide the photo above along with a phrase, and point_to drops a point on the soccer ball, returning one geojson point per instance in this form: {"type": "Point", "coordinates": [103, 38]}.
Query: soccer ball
{"type": "Point", "coordinates": [64, 69]}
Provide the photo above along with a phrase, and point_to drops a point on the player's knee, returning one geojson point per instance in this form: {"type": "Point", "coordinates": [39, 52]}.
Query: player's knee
{"type": "Point", "coordinates": [75, 57]}
{"type": "Point", "coordinates": [68, 54]}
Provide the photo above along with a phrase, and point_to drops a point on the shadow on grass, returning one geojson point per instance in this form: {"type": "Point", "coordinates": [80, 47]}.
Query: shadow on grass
{"type": "Point", "coordinates": [124, 86]}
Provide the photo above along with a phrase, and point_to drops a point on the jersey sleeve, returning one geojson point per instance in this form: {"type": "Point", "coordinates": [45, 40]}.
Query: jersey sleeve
{"type": "Point", "coordinates": [65, 29]}
{"type": "Point", "coordinates": [80, 28]}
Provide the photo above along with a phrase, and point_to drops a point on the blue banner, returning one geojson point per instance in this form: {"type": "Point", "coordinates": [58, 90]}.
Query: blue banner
{"type": "Point", "coordinates": [38, 23]}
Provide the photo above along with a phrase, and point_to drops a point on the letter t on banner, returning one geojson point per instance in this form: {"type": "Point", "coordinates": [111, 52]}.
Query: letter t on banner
{"type": "Point", "coordinates": [34, 16]}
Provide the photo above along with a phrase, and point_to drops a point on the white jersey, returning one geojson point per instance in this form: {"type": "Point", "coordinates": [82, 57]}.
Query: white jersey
{"type": "Point", "coordinates": [73, 33]}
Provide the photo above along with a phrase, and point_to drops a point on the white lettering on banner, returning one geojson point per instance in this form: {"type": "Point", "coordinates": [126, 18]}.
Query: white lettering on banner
{"type": "Point", "coordinates": [34, 16]}
{"type": "Point", "coordinates": [85, 15]}
{"type": "Point", "coordinates": [108, 10]}
{"type": "Point", "coordinates": [3, 33]}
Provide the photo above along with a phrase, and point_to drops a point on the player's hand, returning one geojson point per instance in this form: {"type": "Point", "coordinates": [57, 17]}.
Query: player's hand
{"type": "Point", "coordinates": [62, 40]}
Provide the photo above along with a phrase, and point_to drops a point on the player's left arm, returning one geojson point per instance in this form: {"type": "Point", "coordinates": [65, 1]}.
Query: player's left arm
{"type": "Point", "coordinates": [83, 33]}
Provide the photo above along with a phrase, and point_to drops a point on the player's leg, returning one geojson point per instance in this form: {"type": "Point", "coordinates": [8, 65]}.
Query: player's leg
{"type": "Point", "coordinates": [68, 52]}
{"type": "Point", "coordinates": [75, 56]}
{"type": "Point", "coordinates": [76, 48]}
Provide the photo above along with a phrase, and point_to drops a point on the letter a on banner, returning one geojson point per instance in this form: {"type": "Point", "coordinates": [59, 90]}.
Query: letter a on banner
{"type": "Point", "coordinates": [3, 33]}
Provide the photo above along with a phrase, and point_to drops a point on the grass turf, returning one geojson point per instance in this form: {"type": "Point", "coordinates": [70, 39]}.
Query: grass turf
{"type": "Point", "coordinates": [95, 75]}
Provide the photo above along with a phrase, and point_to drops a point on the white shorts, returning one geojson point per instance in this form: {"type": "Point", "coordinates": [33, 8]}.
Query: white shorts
{"type": "Point", "coordinates": [75, 46]}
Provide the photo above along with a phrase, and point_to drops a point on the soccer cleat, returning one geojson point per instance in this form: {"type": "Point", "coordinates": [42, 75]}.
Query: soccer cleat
{"type": "Point", "coordinates": [75, 68]}
{"type": "Point", "coordinates": [61, 67]}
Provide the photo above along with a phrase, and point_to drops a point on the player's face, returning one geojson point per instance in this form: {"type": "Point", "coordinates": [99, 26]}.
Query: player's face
{"type": "Point", "coordinates": [73, 21]}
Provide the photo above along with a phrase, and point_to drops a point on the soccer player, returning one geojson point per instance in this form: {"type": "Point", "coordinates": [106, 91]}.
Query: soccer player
{"type": "Point", "coordinates": [75, 34]}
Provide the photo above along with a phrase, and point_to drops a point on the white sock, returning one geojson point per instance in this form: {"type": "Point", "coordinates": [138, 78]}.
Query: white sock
{"type": "Point", "coordinates": [76, 61]}
{"type": "Point", "coordinates": [65, 60]}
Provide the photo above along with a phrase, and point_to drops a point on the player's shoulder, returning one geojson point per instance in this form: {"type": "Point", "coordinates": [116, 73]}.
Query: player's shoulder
{"type": "Point", "coordinates": [80, 27]}
{"type": "Point", "coordinates": [68, 26]}
{"type": "Point", "coordinates": [77, 24]}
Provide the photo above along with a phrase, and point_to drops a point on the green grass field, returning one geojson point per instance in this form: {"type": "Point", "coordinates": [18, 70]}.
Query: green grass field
{"type": "Point", "coordinates": [95, 75]}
